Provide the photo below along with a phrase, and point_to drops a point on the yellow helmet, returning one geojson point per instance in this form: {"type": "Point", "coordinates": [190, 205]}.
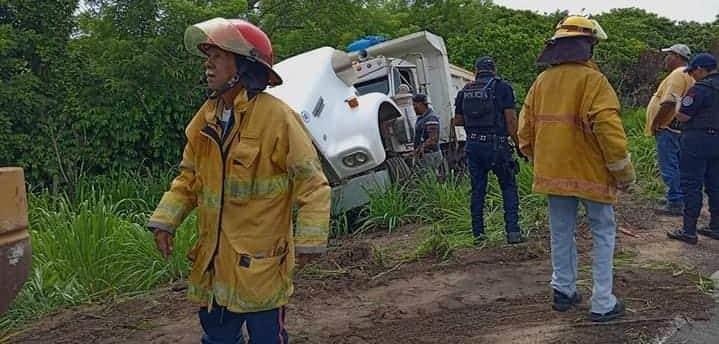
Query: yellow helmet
{"type": "Point", "coordinates": [573, 26]}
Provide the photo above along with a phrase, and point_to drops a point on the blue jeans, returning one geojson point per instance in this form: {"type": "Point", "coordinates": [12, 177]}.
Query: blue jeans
{"type": "Point", "coordinates": [494, 156]}
{"type": "Point", "coordinates": [699, 168]}
{"type": "Point", "coordinates": [563, 224]}
{"type": "Point", "coordinates": [224, 327]}
{"type": "Point", "coordinates": [668, 148]}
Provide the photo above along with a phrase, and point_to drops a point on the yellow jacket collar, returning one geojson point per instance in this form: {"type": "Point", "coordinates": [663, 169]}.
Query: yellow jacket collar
{"type": "Point", "coordinates": [215, 106]}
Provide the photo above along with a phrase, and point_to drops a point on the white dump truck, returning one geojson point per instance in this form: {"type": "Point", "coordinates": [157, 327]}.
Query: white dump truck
{"type": "Point", "coordinates": [357, 107]}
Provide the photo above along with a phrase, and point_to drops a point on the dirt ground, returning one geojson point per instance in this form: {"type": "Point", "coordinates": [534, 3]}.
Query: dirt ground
{"type": "Point", "coordinates": [365, 292]}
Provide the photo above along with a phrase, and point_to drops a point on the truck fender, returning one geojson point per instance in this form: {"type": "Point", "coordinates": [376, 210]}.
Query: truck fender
{"type": "Point", "coordinates": [362, 134]}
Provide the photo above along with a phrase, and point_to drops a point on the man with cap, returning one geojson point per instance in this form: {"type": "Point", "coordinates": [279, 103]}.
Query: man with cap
{"type": "Point", "coordinates": [486, 109]}
{"type": "Point", "coordinates": [661, 123]}
{"type": "Point", "coordinates": [247, 162]}
{"type": "Point", "coordinates": [571, 130]}
{"type": "Point", "coordinates": [426, 135]}
{"type": "Point", "coordinates": [699, 163]}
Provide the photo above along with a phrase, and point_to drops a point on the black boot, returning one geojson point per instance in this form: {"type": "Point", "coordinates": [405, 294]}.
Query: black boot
{"type": "Point", "coordinates": [679, 234]}
{"type": "Point", "coordinates": [616, 312]}
{"type": "Point", "coordinates": [514, 238]}
{"type": "Point", "coordinates": [562, 302]}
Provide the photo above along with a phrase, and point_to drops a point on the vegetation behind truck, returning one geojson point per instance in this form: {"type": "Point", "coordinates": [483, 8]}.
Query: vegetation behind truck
{"type": "Point", "coordinates": [357, 108]}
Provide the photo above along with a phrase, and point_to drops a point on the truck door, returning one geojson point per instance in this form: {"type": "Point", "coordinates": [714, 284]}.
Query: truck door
{"type": "Point", "coordinates": [403, 127]}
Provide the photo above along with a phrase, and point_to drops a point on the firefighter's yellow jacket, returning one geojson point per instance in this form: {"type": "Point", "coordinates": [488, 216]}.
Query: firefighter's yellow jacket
{"type": "Point", "coordinates": [244, 191]}
{"type": "Point", "coordinates": [570, 127]}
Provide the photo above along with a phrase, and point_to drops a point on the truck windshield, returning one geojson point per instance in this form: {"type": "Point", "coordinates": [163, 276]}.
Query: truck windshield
{"type": "Point", "coordinates": [380, 85]}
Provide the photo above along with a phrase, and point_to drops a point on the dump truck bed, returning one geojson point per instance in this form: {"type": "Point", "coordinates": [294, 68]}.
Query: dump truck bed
{"type": "Point", "coordinates": [440, 79]}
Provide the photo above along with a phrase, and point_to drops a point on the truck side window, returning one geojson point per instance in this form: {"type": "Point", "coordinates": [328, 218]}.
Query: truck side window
{"type": "Point", "coordinates": [405, 77]}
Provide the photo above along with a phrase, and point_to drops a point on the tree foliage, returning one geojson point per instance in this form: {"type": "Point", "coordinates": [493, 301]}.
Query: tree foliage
{"type": "Point", "coordinates": [110, 86]}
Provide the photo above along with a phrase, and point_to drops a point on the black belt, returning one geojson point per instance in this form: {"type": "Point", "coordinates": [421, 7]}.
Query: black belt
{"type": "Point", "coordinates": [675, 125]}
{"type": "Point", "coordinates": [487, 137]}
{"type": "Point", "coordinates": [710, 131]}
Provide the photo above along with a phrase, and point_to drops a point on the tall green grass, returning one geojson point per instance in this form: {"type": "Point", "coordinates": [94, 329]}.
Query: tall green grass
{"type": "Point", "coordinates": [644, 154]}
{"type": "Point", "coordinates": [94, 246]}
{"type": "Point", "coordinates": [389, 207]}
{"type": "Point", "coordinates": [444, 206]}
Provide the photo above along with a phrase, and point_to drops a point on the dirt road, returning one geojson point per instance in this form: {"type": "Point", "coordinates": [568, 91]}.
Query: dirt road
{"type": "Point", "coordinates": [364, 293]}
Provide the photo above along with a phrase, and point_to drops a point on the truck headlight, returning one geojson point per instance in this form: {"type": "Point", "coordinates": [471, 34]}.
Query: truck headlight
{"type": "Point", "coordinates": [350, 161]}
{"type": "Point", "coordinates": [355, 159]}
{"type": "Point", "coordinates": [360, 158]}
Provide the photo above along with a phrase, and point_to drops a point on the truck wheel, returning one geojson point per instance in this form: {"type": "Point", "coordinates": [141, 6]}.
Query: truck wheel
{"type": "Point", "coordinates": [398, 170]}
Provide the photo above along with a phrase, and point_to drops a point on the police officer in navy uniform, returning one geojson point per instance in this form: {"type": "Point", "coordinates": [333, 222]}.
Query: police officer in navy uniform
{"type": "Point", "coordinates": [699, 161]}
{"type": "Point", "coordinates": [486, 109]}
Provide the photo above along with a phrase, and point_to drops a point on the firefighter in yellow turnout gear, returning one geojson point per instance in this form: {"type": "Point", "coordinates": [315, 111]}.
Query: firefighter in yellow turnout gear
{"type": "Point", "coordinates": [570, 128]}
{"type": "Point", "coordinates": [248, 160]}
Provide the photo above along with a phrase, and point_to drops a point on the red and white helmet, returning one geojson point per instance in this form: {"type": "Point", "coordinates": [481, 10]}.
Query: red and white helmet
{"type": "Point", "coordinates": [236, 36]}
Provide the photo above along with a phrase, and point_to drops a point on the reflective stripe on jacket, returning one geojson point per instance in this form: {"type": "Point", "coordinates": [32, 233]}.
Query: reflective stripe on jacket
{"type": "Point", "coordinates": [570, 127]}
{"type": "Point", "coordinates": [246, 191]}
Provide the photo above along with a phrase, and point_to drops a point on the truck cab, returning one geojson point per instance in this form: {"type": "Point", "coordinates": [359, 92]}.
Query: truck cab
{"type": "Point", "coordinates": [357, 108]}
{"type": "Point", "coordinates": [397, 79]}
{"type": "Point", "coordinates": [420, 61]}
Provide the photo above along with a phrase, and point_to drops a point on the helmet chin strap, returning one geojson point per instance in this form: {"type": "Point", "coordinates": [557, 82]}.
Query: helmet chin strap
{"type": "Point", "coordinates": [214, 94]}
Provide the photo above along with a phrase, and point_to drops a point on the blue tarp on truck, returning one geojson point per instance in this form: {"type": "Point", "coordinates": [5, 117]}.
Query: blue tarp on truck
{"type": "Point", "coordinates": [364, 43]}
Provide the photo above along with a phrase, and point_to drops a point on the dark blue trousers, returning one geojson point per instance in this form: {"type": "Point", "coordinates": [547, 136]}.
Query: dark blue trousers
{"type": "Point", "coordinates": [483, 157]}
{"type": "Point", "coordinates": [699, 168]}
{"type": "Point", "coordinates": [224, 327]}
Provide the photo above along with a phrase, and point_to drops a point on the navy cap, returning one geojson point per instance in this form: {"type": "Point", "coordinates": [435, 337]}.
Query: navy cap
{"type": "Point", "coordinates": [703, 60]}
{"type": "Point", "coordinates": [484, 63]}
{"type": "Point", "coordinates": [419, 98]}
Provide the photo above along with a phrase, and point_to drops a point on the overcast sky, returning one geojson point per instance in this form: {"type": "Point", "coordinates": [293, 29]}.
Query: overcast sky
{"type": "Point", "coordinates": [697, 10]}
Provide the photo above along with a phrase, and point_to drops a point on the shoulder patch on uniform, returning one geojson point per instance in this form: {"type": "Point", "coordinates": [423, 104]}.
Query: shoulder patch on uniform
{"type": "Point", "coordinates": [687, 101]}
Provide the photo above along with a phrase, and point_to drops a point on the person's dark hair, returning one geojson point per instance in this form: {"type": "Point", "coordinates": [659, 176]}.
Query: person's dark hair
{"type": "Point", "coordinates": [253, 75]}
{"type": "Point", "coordinates": [570, 49]}
{"type": "Point", "coordinates": [419, 98]}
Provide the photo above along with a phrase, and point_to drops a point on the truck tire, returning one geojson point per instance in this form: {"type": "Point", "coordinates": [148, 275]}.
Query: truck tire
{"type": "Point", "coordinates": [399, 171]}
